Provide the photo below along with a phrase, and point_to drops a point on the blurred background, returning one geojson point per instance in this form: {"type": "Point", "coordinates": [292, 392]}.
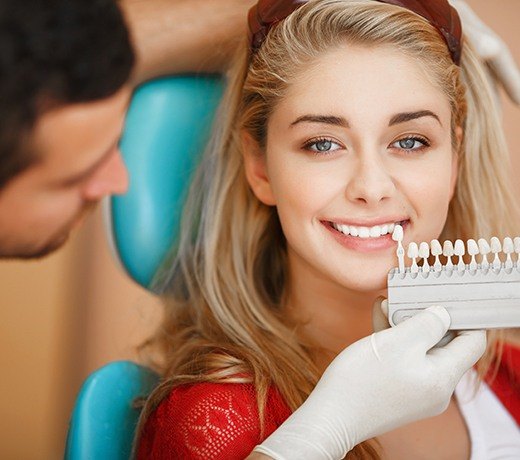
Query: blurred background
{"type": "Point", "coordinates": [65, 316]}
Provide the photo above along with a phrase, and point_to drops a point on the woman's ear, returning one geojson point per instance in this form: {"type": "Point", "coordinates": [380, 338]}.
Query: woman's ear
{"type": "Point", "coordinates": [459, 133]}
{"type": "Point", "coordinates": [256, 169]}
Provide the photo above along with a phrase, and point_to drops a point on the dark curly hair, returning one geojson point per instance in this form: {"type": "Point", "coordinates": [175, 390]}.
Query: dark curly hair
{"type": "Point", "coordinates": [57, 51]}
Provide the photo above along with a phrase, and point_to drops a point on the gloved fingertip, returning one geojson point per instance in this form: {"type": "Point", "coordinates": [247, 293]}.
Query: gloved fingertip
{"type": "Point", "coordinates": [478, 333]}
{"type": "Point", "coordinates": [379, 318]}
{"type": "Point", "coordinates": [442, 314]}
{"type": "Point", "coordinates": [384, 307]}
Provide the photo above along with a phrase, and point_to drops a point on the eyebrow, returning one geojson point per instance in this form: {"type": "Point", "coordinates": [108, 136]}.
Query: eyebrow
{"type": "Point", "coordinates": [342, 122]}
{"type": "Point", "coordinates": [326, 119]}
{"type": "Point", "coordinates": [407, 116]}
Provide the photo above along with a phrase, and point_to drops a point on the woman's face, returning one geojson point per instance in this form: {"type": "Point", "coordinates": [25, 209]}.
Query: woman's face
{"type": "Point", "coordinates": [361, 142]}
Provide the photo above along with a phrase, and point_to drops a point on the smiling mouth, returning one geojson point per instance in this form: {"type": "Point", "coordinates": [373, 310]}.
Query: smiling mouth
{"type": "Point", "coordinates": [376, 231]}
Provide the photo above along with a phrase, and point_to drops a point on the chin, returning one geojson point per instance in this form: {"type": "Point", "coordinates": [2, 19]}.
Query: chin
{"type": "Point", "coordinates": [368, 276]}
{"type": "Point", "coordinates": [49, 248]}
{"type": "Point", "coordinates": [362, 282]}
{"type": "Point", "coordinates": [54, 246]}
{"type": "Point", "coordinates": [61, 236]}
{"type": "Point", "coordinates": [368, 285]}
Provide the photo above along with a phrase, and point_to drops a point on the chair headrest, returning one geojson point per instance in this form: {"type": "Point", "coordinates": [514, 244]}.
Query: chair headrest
{"type": "Point", "coordinates": [167, 127]}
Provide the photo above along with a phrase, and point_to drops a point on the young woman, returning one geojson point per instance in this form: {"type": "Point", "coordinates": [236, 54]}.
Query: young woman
{"type": "Point", "coordinates": [342, 119]}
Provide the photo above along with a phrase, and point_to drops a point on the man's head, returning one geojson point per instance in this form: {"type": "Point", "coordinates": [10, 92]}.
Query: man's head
{"type": "Point", "coordinates": [64, 67]}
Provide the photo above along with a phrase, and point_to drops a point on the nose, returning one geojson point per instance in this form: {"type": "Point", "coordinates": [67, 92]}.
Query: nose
{"type": "Point", "coordinates": [110, 179]}
{"type": "Point", "coordinates": [371, 181]}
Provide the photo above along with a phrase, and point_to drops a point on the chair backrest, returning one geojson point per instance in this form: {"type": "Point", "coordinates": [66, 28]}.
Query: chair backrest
{"type": "Point", "coordinates": [105, 415]}
{"type": "Point", "coordinates": [167, 128]}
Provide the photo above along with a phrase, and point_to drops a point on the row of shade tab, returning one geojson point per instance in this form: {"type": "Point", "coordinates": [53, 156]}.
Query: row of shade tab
{"type": "Point", "coordinates": [488, 254]}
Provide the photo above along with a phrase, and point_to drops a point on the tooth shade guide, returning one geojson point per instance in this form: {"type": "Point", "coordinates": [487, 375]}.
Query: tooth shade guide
{"type": "Point", "coordinates": [496, 247]}
{"type": "Point", "coordinates": [424, 253]}
{"type": "Point", "coordinates": [472, 251]}
{"type": "Point", "coordinates": [460, 251]}
{"type": "Point", "coordinates": [475, 249]}
{"type": "Point", "coordinates": [436, 251]}
{"type": "Point", "coordinates": [475, 296]}
{"type": "Point", "coordinates": [484, 249]}
{"type": "Point", "coordinates": [508, 248]}
{"type": "Point", "coordinates": [497, 263]}
{"type": "Point", "coordinates": [516, 244]}
{"type": "Point", "coordinates": [413, 254]}
{"type": "Point", "coordinates": [398, 235]}
{"type": "Point", "coordinates": [481, 300]}
{"type": "Point", "coordinates": [447, 251]}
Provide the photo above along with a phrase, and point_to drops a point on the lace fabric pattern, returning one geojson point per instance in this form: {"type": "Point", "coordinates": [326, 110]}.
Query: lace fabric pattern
{"type": "Point", "coordinates": [214, 423]}
{"type": "Point", "coordinates": [217, 421]}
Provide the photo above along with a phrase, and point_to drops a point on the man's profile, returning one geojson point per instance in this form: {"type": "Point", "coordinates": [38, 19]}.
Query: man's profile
{"type": "Point", "coordinates": [64, 68]}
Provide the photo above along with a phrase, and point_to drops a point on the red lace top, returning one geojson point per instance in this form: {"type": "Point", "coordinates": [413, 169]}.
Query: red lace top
{"type": "Point", "coordinates": [209, 421]}
{"type": "Point", "coordinates": [220, 420]}
{"type": "Point", "coordinates": [506, 385]}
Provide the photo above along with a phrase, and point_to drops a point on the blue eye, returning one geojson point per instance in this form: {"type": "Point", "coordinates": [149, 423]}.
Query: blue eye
{"type": "Point", "coordinates": [411, 143]}
{"type": "Point", "coordinates": [322, 146]}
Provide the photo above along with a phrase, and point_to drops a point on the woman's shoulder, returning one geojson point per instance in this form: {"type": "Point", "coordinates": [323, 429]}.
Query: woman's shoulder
{"type": "Point", "coordinates": [210, 420]}
{"type": "Point", "coordinates": [506, 382]}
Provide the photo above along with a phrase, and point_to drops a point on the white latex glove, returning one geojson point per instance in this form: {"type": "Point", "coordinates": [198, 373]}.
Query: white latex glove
{"type": "Point", "coordinates": [378, 383]}
{"type": "Point", "coordinates": [491, 49]}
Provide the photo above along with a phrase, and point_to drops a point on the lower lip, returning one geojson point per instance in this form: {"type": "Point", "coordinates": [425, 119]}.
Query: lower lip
{"type": "Point", "coordinates": [362, 244]}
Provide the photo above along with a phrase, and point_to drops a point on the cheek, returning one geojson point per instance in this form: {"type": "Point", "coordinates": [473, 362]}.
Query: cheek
{"type": "Point", "coordinates": [57, 207]}
{"type": "Point", "coordinates": [303, 187]}
{"type": "Point", "coordinates": [427, 187]}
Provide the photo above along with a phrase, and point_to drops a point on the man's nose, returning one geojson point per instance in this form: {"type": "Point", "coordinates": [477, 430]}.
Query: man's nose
{"type": "Point", "coordinates": [371, 181]}
{"type": "Point", "coordinates": [110, 179]}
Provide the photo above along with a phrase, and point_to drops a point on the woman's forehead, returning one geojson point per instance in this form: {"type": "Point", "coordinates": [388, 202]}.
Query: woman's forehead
{"type": "Point", "coordinates": [363, 82]}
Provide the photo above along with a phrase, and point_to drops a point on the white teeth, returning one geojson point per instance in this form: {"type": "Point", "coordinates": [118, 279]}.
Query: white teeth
{"type": "Point", "coordinates": [365, 232]}
{"type": "Point", "coordinates": [375, 231]}
{"type": "Point", "coordinates": [344, 229]}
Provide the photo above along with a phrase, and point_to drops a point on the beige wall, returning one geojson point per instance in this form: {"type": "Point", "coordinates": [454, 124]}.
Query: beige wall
{"type": "Point", "coordinates": [62, 318]}
{"type": "Point", "coordinates": [67, 315]}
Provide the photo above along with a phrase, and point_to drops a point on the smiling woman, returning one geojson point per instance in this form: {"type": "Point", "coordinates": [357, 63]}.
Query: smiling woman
{"type": "Point", "coordinates": [364, 164]}
{"type": "Point", "coordinates": [344, 119]}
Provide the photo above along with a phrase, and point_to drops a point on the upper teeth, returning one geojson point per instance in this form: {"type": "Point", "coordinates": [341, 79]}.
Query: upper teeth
{"type": "Point", "coordinates": [365, 232]}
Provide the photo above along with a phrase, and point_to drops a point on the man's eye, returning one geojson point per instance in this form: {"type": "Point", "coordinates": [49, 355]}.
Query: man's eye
{"type": "Point", "coordinates": [411, 143]}
{"type": "Point", "coordinates": [322, 146]}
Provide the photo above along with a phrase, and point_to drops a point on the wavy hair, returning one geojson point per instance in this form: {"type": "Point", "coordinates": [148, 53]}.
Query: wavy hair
{"type": "Point", "coordinates": [224, 287]}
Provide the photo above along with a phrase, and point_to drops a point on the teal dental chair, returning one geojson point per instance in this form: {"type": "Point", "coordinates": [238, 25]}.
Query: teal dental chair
{"type": "Point", "coordinates": [167, 127]}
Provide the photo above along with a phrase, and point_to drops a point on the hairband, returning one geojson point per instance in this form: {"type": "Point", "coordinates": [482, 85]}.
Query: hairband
{"type": "Point", "coordinates": [266, 13]}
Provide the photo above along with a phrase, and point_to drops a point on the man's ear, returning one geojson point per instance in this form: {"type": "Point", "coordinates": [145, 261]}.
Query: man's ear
{"type": "Point", "coordinates": [459, 135]}
{"type": "Point", "coordinates": [256, 169]}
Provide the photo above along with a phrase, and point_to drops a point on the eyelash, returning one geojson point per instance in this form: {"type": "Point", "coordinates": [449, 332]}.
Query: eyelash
{"type": "Point", "coordinates": [307, 146]}
{"type": "Point", "coordinates": [413, 137]}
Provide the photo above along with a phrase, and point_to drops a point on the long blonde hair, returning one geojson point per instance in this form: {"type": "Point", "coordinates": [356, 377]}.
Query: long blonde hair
{"type": "Point", "coordinates": [224, 285]}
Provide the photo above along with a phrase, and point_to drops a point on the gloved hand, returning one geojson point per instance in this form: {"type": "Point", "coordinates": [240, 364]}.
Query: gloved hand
{"type": "Point", "coordinates": [491, 49]}
{"type": "Point", "coordinates": [378, 383]}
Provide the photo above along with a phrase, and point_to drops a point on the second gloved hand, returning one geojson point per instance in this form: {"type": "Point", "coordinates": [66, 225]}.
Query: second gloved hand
{"type": "Point", "coordinates": [378, 383]}
{"type": "Point", "coordinates": [491, 49]}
